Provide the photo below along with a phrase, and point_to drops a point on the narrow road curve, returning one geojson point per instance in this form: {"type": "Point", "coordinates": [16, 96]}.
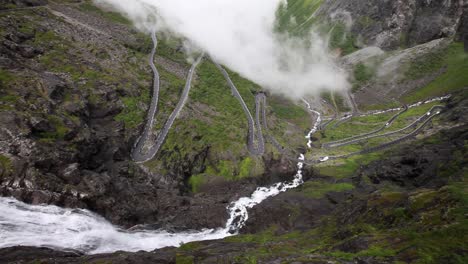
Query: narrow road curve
{"type": "Point", "coordinates": [401, 139]}
{"type": "Point", "coordinates": [391, 133]}
{"type": "Point", "coordinates": [429, 116]}
{"type": "Point", "coordinates": [138, 154]}
{"type": "Point", "coordinates": [324, 125]}
{"type": "Point", "coordinates": [281, 149]}
{"type": "Point", "coordinates": [387, 124]}
{"type": "Point", "coordinates": [255, 142]}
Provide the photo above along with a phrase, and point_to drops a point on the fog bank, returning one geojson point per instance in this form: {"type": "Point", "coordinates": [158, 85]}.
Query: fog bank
{"type": "Point", "coordinates": [240, 34]}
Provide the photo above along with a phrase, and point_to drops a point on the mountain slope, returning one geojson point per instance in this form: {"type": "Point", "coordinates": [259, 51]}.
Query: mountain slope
{"type": "Point", "coordinates": [75, 88]}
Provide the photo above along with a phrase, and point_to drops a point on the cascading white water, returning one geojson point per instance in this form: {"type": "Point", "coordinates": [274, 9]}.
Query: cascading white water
{"type": "Point", "coordinates": [78, 229]}
{"type": "Point", "coordinates": [316, 125]}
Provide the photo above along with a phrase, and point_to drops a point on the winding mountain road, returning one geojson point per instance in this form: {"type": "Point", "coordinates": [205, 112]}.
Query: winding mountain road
{"type": "Point", "coordinates": [435, 111]}
{"type": "Point", "coordinates": [324, 125]}
{"type": "Point", "coordinates": [391, 133]}
{"type": "Point", "coordinates": [138, 153]}
{"type": "Point", "coordinates": [387, 124]}
{"type": "Point", "coordinates": [255, 142]}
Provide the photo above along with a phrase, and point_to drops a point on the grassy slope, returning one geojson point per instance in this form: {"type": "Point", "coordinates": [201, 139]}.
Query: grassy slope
{"type": "Point", "coordinates": [420, 226]}
{"type": "Point", "coordinates": [453, 60]}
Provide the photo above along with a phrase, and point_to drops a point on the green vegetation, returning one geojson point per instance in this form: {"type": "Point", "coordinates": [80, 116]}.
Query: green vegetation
{"type": "Point", "coordinates": [5, 78]}
{"type": "Point", "coordinates": [316, 189]}
{"type": "Point", "coordinates": [454, 63]}
{"type": "Point", "coordinates": [362, 74]}
{"type": "Point", "coordinates": [59, 130]}
{"type": "Point", "coordinates": [5, 164]}
{"type": "Point", "coordinates": [46, 37]}
{"type": "Point", "coordinates": [341, 39]}
{"type": "Point", "coordinates": [336, 100]}
{"type": "Point", "coordinates": [245, 167]}
{"type": "Point", "coordinates": [374, 251]}
{"type": "Point", "coordinates": [133, 115]}
{"type": "Point", "coordinates": [196, 181]}
{"type": "Point", "coordinates": [348, 166]}
{"type": "Point", "coordinates": [388, 230]}
{"type": "Point", "coordinates": [296, 16]}
{"type": "Point", "coordinates": [111, 16]}
{"type": "Point", "coordinates": [285, 110]}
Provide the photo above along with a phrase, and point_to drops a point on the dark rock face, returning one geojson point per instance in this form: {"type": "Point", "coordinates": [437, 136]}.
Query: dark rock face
{"type": "Point", "coordinates": [463, 29]}
{"type": "Point", "coordinates": [23, 3]}
{"type": "Point", "coordinates": [392, 24]}
{"type": "Point", "coordinates": [46, 255]}
{"type": "Point", "coordinates": [289, 211]}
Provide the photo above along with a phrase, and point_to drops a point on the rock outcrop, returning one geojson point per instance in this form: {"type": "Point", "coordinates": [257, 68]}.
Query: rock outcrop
{"type": "Point", "coordinates": [394, 24]}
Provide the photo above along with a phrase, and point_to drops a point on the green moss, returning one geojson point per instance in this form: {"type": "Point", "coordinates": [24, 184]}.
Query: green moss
{"type": "Point", "coordinates": [9, 98]}
{"type": "Point", "coordinates": [374, 251]}
{"type": "Point", "coordinates": [261, 238]}
{"type": "Point", "coordinates": [196, 181]}
{"type": "Point", "coordinates": [46, 37]}
{"type": "Point", "coordinates": [5, 78]}
{"type": "Point", "coordinates": [59, 130]}
{"type": "Point", "coordinates": [319, 189]}
{"type": "Point", "coordinates": [183, 259]}
{"type": "Point", "coordinates": [5, 163]}
{"type": "Point", "coordinates": [190, 246]}
{"type": "Point", "coordinates": [421, 200]}
{"type": "Point", "coordinates": [10, 6]}
{"type": "Point", "coordinates": [245, 167]}
{"type": "Point", "coordinates": [26, 27]}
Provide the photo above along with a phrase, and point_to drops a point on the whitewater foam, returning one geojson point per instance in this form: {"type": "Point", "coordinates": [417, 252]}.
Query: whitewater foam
{"type": "Point", "coordinates": [82, 230]}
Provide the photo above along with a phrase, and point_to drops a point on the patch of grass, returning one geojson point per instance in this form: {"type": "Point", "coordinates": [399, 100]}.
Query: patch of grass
{"type": "Point", "coordinates": [374, 251]}
{"type": "Point", "coordinates": [9, 98]}
{"type": "Point", "coordinates": [245, 167]}
{"type": "Point", "coordinates": [5, 163]}
{"type": "Point", "coordinates": [349, 166]}
{"type": "Point", "coordinates": [341, 39]}
{"type": "Point", "coordinates": [196, 181]}
{"type": "Point", "coordinates": [133, 114]}
{"type": "Point", "coordinates": [170, 49]}
{"type": "Point", "coordinates": [317, 190]}
{"type": "Point", "coordinates": [455, 61]}
{"type": "Point", "coordinates": [183, 259]}
{"type": "Point", "coordinates": [60, 130]}
{"type": "Point", "coordinates": [111, 16]}
{"type": "Point", "coordinates": [46, 37]}
{"type": "Point", "coordinates": [362, 74]}
{"type": "Point", "coordinates": [287, 112]}
{"type": "Point", "coordinates": [5, 78]}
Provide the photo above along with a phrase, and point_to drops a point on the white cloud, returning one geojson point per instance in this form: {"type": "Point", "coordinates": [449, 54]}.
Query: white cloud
{"type": "Point", "coordinates": [240, 34]}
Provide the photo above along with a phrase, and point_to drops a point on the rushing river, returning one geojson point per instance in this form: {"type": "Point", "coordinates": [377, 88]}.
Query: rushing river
{"type": "Point", "coordinates": [78, 229]}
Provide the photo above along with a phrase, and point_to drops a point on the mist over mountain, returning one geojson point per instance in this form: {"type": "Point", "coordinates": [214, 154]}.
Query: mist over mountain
{"type": "Point", "coordinates": [241, 35]}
